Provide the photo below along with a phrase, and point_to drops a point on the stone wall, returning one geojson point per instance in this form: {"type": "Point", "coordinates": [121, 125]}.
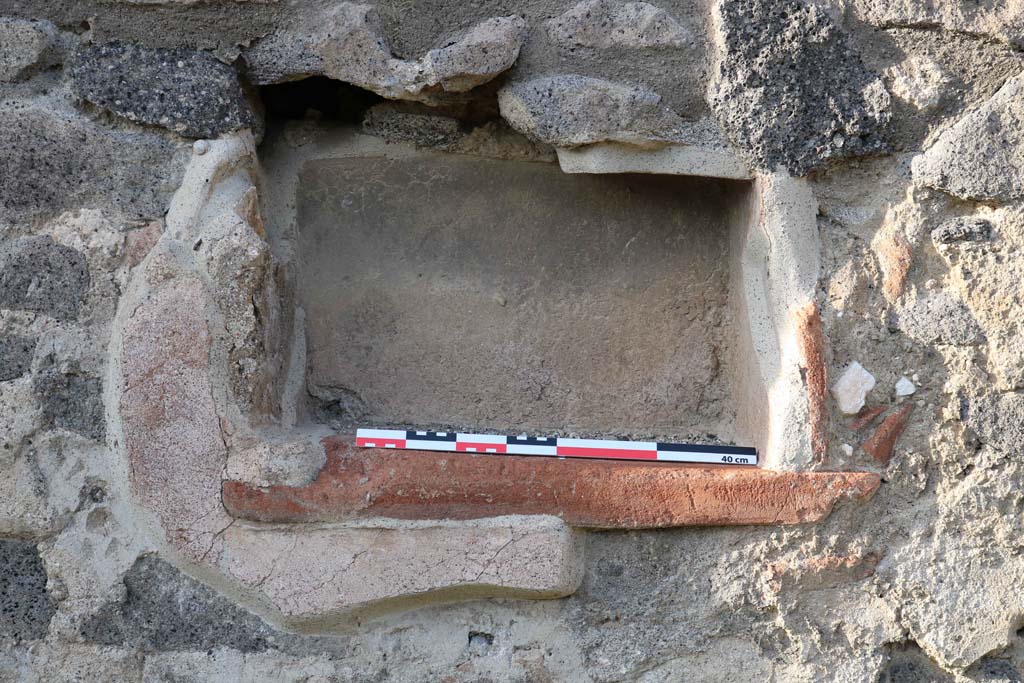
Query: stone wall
{"type": "Point", "coordinates": [152, 338]}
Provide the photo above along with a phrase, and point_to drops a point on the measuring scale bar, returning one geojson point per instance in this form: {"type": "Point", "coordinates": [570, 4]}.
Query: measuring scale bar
{"type": "Point", "coordinates": [502, 444]}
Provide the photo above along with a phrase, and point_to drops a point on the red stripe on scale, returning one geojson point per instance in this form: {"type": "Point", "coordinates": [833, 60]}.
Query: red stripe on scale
{"type": "Point", "coordinates": [616, 453]}
{"type": "Point", "coordinates": [469, 447]}
{"type": "Point", "coordinates": [371, 442]}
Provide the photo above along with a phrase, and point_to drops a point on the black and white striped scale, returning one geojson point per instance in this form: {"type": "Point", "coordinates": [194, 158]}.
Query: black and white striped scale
{"type": "Point", "coordinates": [503, 444]}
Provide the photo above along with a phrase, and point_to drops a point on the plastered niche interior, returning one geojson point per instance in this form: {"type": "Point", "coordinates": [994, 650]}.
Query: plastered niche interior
{"type": "Point", "coordinates": [454, 291]}
{"type": "Point", "coordinates": [212, 376]}
{"type": "Point", "coordinates": [628, 296]}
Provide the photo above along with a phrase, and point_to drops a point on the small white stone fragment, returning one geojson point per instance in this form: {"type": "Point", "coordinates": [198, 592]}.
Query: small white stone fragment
{"type": "Point", "coordinates": [852, 387]}
{"type": "Point", "coordinates": [847, 449]}
{"type": "Point", "coordinates": [904, 387]}
{"type": "Point", "coordinates": [200, 147]}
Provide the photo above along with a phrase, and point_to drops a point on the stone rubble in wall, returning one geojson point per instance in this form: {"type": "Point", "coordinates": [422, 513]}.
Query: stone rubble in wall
{"type": "Point", "coordinates": [905, 387]}
{"type": "Point", "coordinates": [348, 44]}
{"type": "Point", "coordinates": [604, 24]}
{"type": "Point", "coordinates": [940, 317]}
{"type": "Point", "coordinates": [427, 128]}
{"type": "Point", "coordinates": [572, 110]}
{"type": "Point", "coordinates": [922, 586]}
{"type": "Point", "coordinates": [984, 263]}
{"type": "Point", "coordinates": [789, 89]}
{"type": "Point", "coordinates": [981, 156]}
{"type": "Point", "coordinates": [187, 91]}
{"type": "Point", "coordinates": [133, 172]}
{"type": "Point", "coordinates": [1001, 20]}
{"type": "Point", "coordinates": [60, 289]}
{"type": "Point", "coordinates": [27, 48]}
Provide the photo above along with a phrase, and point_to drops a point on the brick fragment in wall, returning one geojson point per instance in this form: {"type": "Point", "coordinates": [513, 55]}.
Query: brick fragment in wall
{"type": "Point", "coordinates": [15, 356]}
{"type": "Point", "coordinates": [367, 483]}
{"type": "Point", "coordinates": [40, 276]}
{"type": "Point", "coordinates": [865, 417]}
{"type": "Point", "coordinates": [25, 606]}
{"type": "Point", "coordinates": [811, 341]}
{"type": "Point", "coordinates": [882, 442]}
{"type": "Point", "coordinates": [789, 89]}
{"type": "Point", "coordinates": [72, 401]}
{"type": "Point", "coordinates": [187, 91]}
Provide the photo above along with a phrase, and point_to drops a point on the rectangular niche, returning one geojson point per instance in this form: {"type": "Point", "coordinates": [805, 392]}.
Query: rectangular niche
{"type": "Point", "coordinates": [468, 293]}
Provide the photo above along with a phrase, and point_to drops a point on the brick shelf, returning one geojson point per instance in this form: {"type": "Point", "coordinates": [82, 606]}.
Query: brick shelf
{"type": "Point", "coordinates": [360, 483]}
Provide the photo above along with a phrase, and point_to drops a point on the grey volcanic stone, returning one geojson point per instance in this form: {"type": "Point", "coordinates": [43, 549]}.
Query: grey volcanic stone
{"type": "Point", "coordinates": [15, 356]}
{"type": "Point", "coordinates": [615, 628]}
{"type": "Point", "coordinates": [52, 158]}
{"type": "Point", "coordinates": [912, 666]}
{"type": "Point", "coordinates": [164, 610]}
{"type": "Point", "coordinates": [72, 401]}
{"type": "Point", "coordinates": [476, 56]}
{"type": "Point", "coordinates": [963, 229]}
{"type": "Point", "coordinates": [790, 91]}
{"type": "Point", "coordinates": [187, 91]}
{"type": "Point", "coordinates": [993, 20]}
{"type": "Point", "coordinates": [427, 127]}
{"type": "Point", "coordinates": [992, 670]}
{"type": "Point", "coordinates": [26, 48]}
{"type": "Point", "coordinates": [40, 276]}
{"type": "Point", "coordinates": [605, 24]}
{"type": "Point", "coordinates": [997, 419]}
{"type": "Point", "coordinates": [981, 156]}
{"type": "Point", "coordinates": [941, 318]}
{"type": "Point", "coordinates": [395, 122]}
{"type": "Point", "coordinates": [25, 606]}
{"type": "Point", "coordinates": [571, 110]}
{"type": "Point", "coordinates": [348, 43]}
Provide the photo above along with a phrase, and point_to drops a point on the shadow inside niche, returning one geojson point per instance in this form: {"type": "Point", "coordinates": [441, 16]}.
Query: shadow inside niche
{"type": "Point", "coordinates": [317, 97]}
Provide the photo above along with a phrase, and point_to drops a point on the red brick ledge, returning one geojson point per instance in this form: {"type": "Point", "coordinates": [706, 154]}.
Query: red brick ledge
{"type": "Point", "coordinates": [359, 483]}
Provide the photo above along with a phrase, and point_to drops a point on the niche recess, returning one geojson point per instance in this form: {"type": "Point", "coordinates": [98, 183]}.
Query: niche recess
{"type": "Point", "coordinates": [426, 287]}
{"type": "Point", "coordinates": [454, 291]}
